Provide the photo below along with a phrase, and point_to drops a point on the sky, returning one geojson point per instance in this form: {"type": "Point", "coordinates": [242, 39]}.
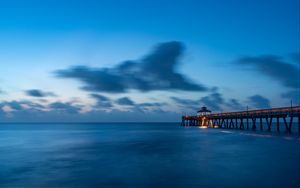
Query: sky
{"type": "Point", "coordinates": [150, 60]}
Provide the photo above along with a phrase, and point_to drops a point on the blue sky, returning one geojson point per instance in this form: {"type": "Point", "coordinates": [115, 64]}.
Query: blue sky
{"type": "Point", "coordinates": [62, 59]}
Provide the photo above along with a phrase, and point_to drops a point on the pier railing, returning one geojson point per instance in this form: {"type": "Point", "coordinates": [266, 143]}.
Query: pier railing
{"type": "Point", "coordinates": [273, 111]}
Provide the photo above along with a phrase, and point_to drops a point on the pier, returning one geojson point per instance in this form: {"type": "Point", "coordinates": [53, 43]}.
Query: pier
{"type": "Point", "coordinates": [262, 119]}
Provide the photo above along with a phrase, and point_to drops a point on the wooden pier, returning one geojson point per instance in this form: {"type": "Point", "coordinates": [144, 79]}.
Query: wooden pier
{"type": "Point", "coordinates": [248, 120]}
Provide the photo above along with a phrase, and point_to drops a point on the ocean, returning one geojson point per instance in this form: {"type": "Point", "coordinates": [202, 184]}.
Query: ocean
{"type": "Point", "coordinates": [142, 155]}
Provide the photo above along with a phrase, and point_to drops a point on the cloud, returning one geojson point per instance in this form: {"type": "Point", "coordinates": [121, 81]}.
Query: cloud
{"type": "Point", "coordinates": [187, 105]}
{"type": "Point", "coordinates": [214, 101]}
{"type": "Point", "coordinates": [293, 95]}
{"type": "Point", "coordinates": [151, 107]}
{"type": "Point", "coordinates": [287, 74]}
{"type": "Point", "coordinates": [102, 101]}
{"type": "Point", "coordinates": [38, 93]}
{"type": "Point", "coordinates": [64, 107]}
{"type": "Point", "coordinates": [259, 101]}
{"type": "Point", "coordinates": [152, 104]}
{"type": "Point", "coordinates": [156, 71]}
{"type": "Point", "coordinates": [274, 67]}
{"type": "Point", "coordinates": [28, 111]}
{"type": "Point", "coordinates": [14, 105]}
{"type": "Point", "coordinates": [235, 105]}
{"type": "Point", "coordinates": [29, 106]}
{"type": "Point", "coordinates": [100, 97]}
{"type": "Point", "coordinates": [184, 101]}
{"type": "Point", "coordinates": [23, 104]}
{"type": "Point", "coordinates": [125, 101]}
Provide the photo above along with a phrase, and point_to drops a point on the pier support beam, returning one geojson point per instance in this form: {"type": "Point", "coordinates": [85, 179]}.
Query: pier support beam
{"type": "Point", "coordinates": [227, 123]}
{"type": "Point", "coordinates": [247, 123]}
{"type": "Point", "coordinates": [269, 123]}
{"type": "Point", "coordinates": [222, 123]}
{"type": "Point", "coordinates": [215, 122]}
{"type": "Point", "coordinates": [242, 124]}
{"type": "Point", "coordinates": [288, 126]}
{"type": "Point", "coordinates": [260, 121]}
{"type": "Point", "coordinates": [231, 125]}
{"type": "Point", "coordinates": [253, 123]}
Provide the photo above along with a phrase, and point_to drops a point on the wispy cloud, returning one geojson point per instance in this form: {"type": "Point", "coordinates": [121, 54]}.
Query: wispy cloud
{"type": "Point", "coordinates": [259, 101]}
{"type": "Point", "coordinates": [293, 95]}
{"type": "Point", "coordinates": [287, 74]}
{"type": "Point", "coordinates": [125, 101]}
{"type": "Point", "coordinates": [102, 101]}
{"type": "Point", "coordinates": [28, 111]}
{"type": "Point", "coordinates": [213, 101]}
{"type": "Point", "coordinates": [235, 104]}
{"type": "Point", "coordinates": [274, 67]}
{"type": "Point", "coordinates": [64, 107]}
{"type": "Point", "coordinates": [39, 93]}
{"type": "Point", "coordinates": [217, 103]}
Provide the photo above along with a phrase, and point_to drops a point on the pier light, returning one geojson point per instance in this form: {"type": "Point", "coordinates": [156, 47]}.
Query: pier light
{"type": "Point", "coordinates": [203, 112]}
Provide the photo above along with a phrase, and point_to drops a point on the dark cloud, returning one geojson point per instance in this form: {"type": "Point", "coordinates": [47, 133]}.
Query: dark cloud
{"type": "Point", "coordinates": [27, 109]}
{"type": "Point", "coordinates": [102, 101]}
{"type": "Point", "coordinates": [100, 97]}
{"type": "Point", "coordinates": [293, 95]}
{"type": "Point", "coordinates": [29, 105]}
{"type": "Point", "coordinates": [70, 112]}
{"type": "Point", "coordinates": [150, 107]}
{"type": "Point", "coordinates": [274, 67]}
{"type": "Point", "coordinates": [152, 104]}
{"type": "Point", "coordinates": [259, 101]}
{"type": "Point", "coordinates": [64, 107]}
{"type": "Point", "coordinates": [38, 93]}
{"type": "Point", "coordinates": [125, 101]}
{"type": "Point", "coordinates": [187, 105]}
{"type": "Point", "coordinates": [235, 105]}
{"type": "Point", "coordinates": [184, 101]}
{"type": "Point", "coordinates": [30, 111]}
{"type": "Point", "coordinates": [15, 105]}
{"type": "Point", "coordinates": [214, 101]}
{"type": "Point", "coordinates": [156, 71]}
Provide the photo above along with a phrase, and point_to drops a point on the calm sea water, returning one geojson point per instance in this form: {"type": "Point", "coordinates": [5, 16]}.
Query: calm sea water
{"type": "Point", "coordinates": [145, 155]}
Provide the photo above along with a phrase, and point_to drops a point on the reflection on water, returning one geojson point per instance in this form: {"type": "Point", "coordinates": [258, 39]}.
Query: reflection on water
{"type": "Point", "coordinates": [144, 155]}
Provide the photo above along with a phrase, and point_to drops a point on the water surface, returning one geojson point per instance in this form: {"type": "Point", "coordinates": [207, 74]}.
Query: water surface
{"type": "Point", "coordinates": [145, 155]}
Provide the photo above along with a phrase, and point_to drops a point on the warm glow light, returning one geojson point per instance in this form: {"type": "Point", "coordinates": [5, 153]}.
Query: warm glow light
{"type": "Point", "coordinates": [203, 121]}
{"type": "Point", "coordinates": [203, 127]}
